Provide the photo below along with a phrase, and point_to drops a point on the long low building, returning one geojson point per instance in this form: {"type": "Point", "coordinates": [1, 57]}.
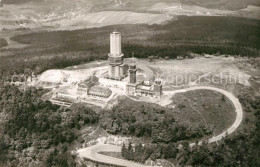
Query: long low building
{"type": "Point", "coordinates": [99, 91]}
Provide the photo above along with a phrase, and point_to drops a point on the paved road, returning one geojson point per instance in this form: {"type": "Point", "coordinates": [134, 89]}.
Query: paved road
{"type": "Point", "coordinates": [92, 152]}
{"type": "Point", "coordinates": [232, 98]}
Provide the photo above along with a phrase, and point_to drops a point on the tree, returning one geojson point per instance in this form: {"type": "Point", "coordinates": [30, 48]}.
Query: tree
{"type": "Point", "coordinates": [129, 151]}
{"type": "Point", "coordinates": [123, 150]}
{"type": "Point", "coordinates": [3, 152]}
{"type": "Point", "coordinates": [201, 156]}
{"type": "Point", "coordinates": [138, 153]}
{"type": "Point", "coordinates": [170, 151]}
{"type": "Point", "coordinates": [223, 98]}
{"type": "Point", "coordinates": [151, 58]}
{"type": "Point", "coordinates": [156, 154]}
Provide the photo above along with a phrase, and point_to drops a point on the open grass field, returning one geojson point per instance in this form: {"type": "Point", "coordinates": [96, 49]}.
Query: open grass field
{"type": "Point", "coordinates": [220, 4]}
{"type": "Point", "coordinates": [205, 107]}
{"type": "Point", "coordinates": [209, 71]}
{"type": "Point", "coordinates": [69, 15]}
{"type": "Point", "coordinates": [217, 71]}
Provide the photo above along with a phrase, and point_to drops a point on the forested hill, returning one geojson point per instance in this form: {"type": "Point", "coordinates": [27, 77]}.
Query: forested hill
{"type": "Point", "coordinates": [34, 132]}
{"type": "Point", "coordinates": [59, 49]}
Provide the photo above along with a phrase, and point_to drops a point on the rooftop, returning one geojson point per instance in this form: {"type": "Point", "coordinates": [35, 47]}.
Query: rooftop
{"type": "Point", "coordinates": [115, 32]}
{"type": "Point", "coordinates": [144, 87]}
{"type": "Point", "coordinates": [100, 89]}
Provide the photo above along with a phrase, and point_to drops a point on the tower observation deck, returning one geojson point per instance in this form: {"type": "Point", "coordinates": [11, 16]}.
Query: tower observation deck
{"type": "Point", "coordinates": [116, 57]}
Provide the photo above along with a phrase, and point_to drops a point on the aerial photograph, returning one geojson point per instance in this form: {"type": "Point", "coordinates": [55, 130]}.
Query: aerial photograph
{"type": "Point", "coordinates": [129, 83]}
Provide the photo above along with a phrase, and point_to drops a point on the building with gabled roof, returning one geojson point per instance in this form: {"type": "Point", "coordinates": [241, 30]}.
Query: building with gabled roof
{"type": "Point", "coordinates": [145, 88]}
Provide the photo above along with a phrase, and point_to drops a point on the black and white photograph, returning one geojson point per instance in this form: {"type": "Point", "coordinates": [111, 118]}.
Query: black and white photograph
{"type": "Point", "coordinates": [129, 83]}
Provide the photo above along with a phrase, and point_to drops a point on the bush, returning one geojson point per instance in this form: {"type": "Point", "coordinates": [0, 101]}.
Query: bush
{"type": "Point", "coordinates": [3, 42]}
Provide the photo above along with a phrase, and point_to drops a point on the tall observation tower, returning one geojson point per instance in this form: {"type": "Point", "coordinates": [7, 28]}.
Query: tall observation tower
{"type": "Point", "coordinates": [117, 68]}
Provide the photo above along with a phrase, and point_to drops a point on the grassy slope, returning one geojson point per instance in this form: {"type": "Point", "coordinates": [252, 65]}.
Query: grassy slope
{"type": "Point", "coordinates": [218, 114]}
{"type": "Point", "coordinates": [223, 4]}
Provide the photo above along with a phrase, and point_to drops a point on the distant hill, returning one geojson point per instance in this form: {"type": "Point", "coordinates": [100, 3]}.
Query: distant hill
{"type": "Point", "coordinates": [217, 4]}
{"type": "Point", "coordinates": [19, 1]}
{"type": "Point", "coordinates": [223, 4]}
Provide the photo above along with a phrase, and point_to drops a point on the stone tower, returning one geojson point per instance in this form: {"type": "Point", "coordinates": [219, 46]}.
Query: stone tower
{"type": "Point", "coordinates": [116, 58]}
{"type": "Point", "coordinates": [131, 85]}
{"type": "Point", "coordinates": [132, 73]}
{"type": "Point", "coordinates": [158, 86]}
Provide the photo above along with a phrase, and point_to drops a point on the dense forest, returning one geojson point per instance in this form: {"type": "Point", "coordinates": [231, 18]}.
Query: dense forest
{"type": "Point", "coordinates": [36, 132]}
{"type": "Point", "coordinates": [59, 49]}
{"type": "Point", "coordinates": [150, 121]}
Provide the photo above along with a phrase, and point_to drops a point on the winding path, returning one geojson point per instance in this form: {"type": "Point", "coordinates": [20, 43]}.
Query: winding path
{"type": "Point", "coordinates": [92, 153]}
{"type": "Point", "coordinates": [232, 98]}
